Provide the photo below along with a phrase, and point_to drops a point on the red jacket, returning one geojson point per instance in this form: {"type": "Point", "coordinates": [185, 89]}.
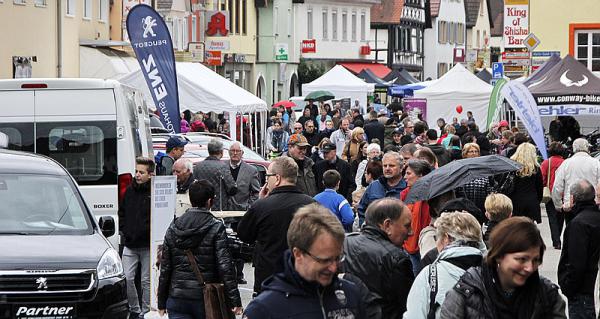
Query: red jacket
{"type": "Point", "coordinates": [420, 219]}
{"type": "Point", "coordinates": [555, 163]}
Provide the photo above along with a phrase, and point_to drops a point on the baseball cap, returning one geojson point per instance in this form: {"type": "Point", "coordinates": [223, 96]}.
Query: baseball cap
{"type": "Point", "coordinates": [399, 130]}
{"type": "Point", "coordinates": [298, 139]}
{"type": "Point", "coordinates": [176, 141]}
{"type": "Point", "coordinates": [503, 123]}
{"type": "Point", "coordinates": [328, 147]}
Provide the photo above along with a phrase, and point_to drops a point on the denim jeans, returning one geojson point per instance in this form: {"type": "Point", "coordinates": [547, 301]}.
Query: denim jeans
{"type": "Point", "coordinates": [415, 259]}
{"type": "Point", "coordinates": [131, 258]}
{"type": "Point", "coordinates": [178, 308]}
{"type": "Point", "coordinates": [582, 307]}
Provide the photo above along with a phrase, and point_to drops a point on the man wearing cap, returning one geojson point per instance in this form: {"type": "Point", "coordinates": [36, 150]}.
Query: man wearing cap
{"type": "Point", "coordinates": [297, 146]}
{"type": "Point", "coordinates": [332, 161]}
{"type": "Point", "coordinates": [374, 129]}
{"type": "Point", "coordinates": [396, 143]}
{"type": "Point", "coordinates": [382, 116]}
{"type": "Point", "coordinates": [175, 149]}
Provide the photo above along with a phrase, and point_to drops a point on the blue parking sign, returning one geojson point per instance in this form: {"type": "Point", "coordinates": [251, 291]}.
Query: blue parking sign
{"type": "Point", "coordinates": [497, 70]}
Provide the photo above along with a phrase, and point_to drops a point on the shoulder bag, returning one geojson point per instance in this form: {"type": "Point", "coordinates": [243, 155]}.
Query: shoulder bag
{"type": "Point", "coordinates": [547, 195]}
{"type": "Point", "coordinates": [215, 305]}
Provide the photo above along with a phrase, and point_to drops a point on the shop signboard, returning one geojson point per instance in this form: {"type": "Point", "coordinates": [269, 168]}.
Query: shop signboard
{"type": "Point", "coordinates": [516, 23]}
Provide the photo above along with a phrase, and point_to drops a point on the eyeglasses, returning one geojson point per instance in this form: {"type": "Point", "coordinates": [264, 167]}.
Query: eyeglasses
{"type": "Point", "coordinates": [473, 152]}
{"type": "Point", "coordinates": [270, 174]}
{"type": "Point", "coordinates": [235, 151]}
{"type": "Point", "coordinates": [326, 261]}
{"type": "Point", "coordinates": [310, 126]}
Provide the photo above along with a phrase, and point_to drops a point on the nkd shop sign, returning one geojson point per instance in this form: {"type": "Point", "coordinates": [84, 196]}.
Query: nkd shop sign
{"type": "Point", "coordinates": [309, 46]}
{"type": "Point", "coordinates": [516, 23]}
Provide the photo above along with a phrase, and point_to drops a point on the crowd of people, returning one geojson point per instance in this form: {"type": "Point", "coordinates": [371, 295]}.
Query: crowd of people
{"type": "Point", "coordinates": [334, 237]}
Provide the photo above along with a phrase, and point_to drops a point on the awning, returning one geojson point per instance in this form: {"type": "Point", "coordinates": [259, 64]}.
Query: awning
{"type": "Point", "coordinates": [378, 69]}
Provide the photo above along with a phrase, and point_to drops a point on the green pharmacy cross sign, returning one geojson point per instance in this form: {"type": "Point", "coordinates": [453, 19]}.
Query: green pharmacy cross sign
{"type": "Point", "coordinates": [281, 52]}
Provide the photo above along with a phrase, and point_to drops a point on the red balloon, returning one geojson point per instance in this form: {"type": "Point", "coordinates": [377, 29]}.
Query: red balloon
{"type": "Point", "coordinates": [459, 109]}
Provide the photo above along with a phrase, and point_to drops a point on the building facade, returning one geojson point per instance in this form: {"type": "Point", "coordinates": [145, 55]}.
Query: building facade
{"type": "Point", "coordinates": [334, 31]}
{"type": "Point", "coordinates": [398, 31]}
{"type": "Point", "coordinates": [568, 28]}
{"type": "Point", "coordinates": [276, 76]}
{"type": "Point", "coordinates": [50, 46]}
{"type": "Point", "coordinates": [446, 37]}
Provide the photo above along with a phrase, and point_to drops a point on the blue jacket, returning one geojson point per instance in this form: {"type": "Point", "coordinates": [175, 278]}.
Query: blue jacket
{"type": "Point", "coordinates": [338, 205]}
{"type": "Point", "coordinates": [287, 295]}
{"type": "Point", "coordinates": [376, 190]}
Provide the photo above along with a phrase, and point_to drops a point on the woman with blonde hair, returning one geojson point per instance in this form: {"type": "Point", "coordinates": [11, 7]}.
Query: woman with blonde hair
{"type": "Point", "coordinates": [527, 190]}
{"type": "Point", "coordinates": [458, 240]}
{"type": "Point", "coordinates": [352, 148]}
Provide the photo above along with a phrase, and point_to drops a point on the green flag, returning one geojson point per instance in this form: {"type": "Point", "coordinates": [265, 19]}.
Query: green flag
{"type": "Point", "coordinates": [495, 103]}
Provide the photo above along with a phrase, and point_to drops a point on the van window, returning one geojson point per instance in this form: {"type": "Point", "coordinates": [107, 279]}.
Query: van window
{"type": "Point", "coordinates": [20, 136]}
{"type": "Point", "coordinates": [87, 150]}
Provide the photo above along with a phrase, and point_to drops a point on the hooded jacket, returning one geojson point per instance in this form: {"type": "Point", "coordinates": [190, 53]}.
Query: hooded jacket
{"type": "Point", "coordinates": [199, 231]}
{"type": "Point", "coordinates": [383, 267]}
{"type": "Point", "coordinates": [288, 295]}
{"type": "Point", "coordinates": [418, 303]}
{"type": "Point", "coordinates": [442, 155]}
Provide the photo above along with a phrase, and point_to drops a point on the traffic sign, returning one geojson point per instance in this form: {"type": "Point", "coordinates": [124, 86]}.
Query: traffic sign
{"type": "Point", "coordinates": [497, 70]}
{"type": "Point", "coordinates": [531, 42]}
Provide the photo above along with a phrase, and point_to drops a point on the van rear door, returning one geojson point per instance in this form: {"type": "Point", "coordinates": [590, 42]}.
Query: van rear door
{"type": "Point", "coordinates": [16, 112]}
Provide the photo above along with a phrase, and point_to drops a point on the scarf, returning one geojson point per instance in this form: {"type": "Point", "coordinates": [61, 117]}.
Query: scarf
{"type": "Point", "coordinates": [519, 304]}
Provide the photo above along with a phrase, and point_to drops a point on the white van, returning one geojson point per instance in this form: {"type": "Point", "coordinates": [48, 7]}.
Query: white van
{"type": "Point", "coordinates": [95, 128]}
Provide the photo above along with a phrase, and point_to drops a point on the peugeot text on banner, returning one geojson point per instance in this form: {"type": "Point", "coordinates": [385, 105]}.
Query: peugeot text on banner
{"type": "Point", "coordinates": [153, 48]}
{"type": "Point", "coordinates": [523, 103]}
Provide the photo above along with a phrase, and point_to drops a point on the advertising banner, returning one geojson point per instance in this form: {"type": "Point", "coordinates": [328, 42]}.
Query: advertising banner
{"type": "Point", "coordinates": [495, 102]}
{"type": "Point", "coordinates": [523, 103]}
{"type": "Point", "coordinates": [162, 212]}
{"type": "Point", "coordinates": [416, 108]}
{"type": "Point", "coordinates": [151, 42]}
{"type": "Point", "coordinates": [309, 46]}
{"type": "Point", "coordinates": [516, 23]}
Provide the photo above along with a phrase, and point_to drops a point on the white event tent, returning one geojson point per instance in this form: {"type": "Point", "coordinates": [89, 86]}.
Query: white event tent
{"type": "Point", "coordinates": [341, 83]}
{"type": "Point", "coordinates": [457, 87]}
{"type": "Point", "coordinates": [202, 89]}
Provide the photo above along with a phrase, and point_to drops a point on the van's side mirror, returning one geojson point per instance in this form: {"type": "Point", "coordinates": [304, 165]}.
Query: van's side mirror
{"type": "Point", "coordinates": [107, 225]}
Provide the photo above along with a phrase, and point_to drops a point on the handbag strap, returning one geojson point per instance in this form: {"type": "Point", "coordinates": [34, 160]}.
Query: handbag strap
{"type": "Point", "coordinates": [194, 265]}
{"type": "Point", "coordinates": [549, 171]}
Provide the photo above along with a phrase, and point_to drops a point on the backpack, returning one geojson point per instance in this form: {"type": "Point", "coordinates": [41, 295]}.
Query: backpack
{"type": "Point", "coordinates": [160, 169]}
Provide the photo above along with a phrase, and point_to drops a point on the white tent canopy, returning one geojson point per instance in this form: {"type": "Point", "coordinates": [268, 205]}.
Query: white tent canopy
{"type": "Point", "coordinates": [201, 89]}
{"type": "Point", "coordinates": [341, 83]}
{"type": "Point", "coordinates": [457, 87]}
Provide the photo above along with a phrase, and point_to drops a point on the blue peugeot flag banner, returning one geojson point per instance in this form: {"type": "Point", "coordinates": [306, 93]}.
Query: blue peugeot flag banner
{"type": "Point", "coordinates": [153, 48]}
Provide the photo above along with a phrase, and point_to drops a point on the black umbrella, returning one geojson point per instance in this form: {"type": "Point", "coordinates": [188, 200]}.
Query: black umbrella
{"type": "Point", "coordinates": [459, 173]}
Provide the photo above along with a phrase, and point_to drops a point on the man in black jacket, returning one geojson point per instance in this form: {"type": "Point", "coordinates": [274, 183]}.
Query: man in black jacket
{"type": "Point", "coordinates": [198, 231]}
{"type": "Point", "coordinates": [266, 222]}
{"type": "Point", "coordinates": [374, 129]}
{"type": "Point", "coordinates": [332, 161]}
{"type": "Point", "coordinates": [377, 258]}
{"type": "Point", "coordinates": [578, 263]}
{"type": "Point", "coordinates": [475, 136]}
{"type": "Point", "coordinates": [308, 285]}
{"type": "Point", "coordinates": [134, 228]}
{"type": "Point", "coordinates": [442, 155]}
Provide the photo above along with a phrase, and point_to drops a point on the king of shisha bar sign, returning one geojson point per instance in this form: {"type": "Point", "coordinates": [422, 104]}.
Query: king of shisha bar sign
{"type": "Point", "coordinates": [516, 23]}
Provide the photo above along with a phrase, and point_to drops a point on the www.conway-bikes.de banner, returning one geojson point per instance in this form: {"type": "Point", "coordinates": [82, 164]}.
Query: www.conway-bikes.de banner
{"type": "Point", "coordinates": [153, 48]}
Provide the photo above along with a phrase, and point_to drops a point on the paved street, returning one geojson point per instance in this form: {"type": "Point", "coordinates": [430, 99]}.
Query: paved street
{"type": "Point", "coordinates": [548, 269]}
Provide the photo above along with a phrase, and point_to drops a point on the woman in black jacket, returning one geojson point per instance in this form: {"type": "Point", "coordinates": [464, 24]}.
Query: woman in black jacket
{"type": "Point", "coordinates": [507, 284]}
{"type": "Point", "coordinates": [528, 184]}
{"type": "Point", "coordinates": [197, 230]}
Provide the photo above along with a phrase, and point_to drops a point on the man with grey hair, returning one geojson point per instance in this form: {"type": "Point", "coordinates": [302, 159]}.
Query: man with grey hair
{"type": "Point", "coordinates": [390, 184]}
{"type": "Point", "coordinates": [578, 263]}
{"type": "Point", "coordinates": [217, 173]}
{"type": "Point", "coordinates": [376, 256]}
{"type": "Point", "coordinates": [266, 222]}
{"type": "Point", "coordinates": [579, 166]}
{"type": "Point", "coordinates": [183, 168]}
